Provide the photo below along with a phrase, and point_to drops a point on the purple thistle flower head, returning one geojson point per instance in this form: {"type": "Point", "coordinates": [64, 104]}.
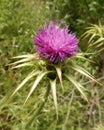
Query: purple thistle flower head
{"type": "Point", "coordinates": [55, 43]}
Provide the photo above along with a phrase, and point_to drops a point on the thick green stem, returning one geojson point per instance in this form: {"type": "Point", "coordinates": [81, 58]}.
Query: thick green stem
{"type": "Point", "coordinates": [39, 109]}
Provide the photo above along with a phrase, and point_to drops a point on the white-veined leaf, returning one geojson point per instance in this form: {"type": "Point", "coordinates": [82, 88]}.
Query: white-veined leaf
{"type": "Point", "coordinates": [82, 57]}
{"type": "Point", "coordinates": [77, 85]}
{"type": "Point", "coordinates": [36, 82]}
{"type": "Point", "coordinates": [22, 60]}
{"type": "Point", "coordinates": [100, 50]}
{"type": "Point", "coordinates": [23, 65]}
{"type": "Point", "coordinates": [25, 56]}
{"type": "Point", "coordinates": [59, 73]}
{"type": "Point", "coordinates": [92, 37]}
{"type": "Point", "coordinates": [25, 59]}
{"type": "Point", "coordinates": [33, 73]}
{"type": "Point", "coordinates": [100, 44]}
{"type": "Point", "coordinates": [84, 54]}
{"type": "Point", "coordinates": [98, 41]}
{"type": "Point", "coordinates": [53, 88]}
{"type": "Point", "coordinates": [84, 72]}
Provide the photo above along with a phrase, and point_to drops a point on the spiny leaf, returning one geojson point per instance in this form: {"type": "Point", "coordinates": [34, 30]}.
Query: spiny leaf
{"type": "Point", "coordinates": [33, 73]}
{"type": "Point", "coordinates": [22, 60]}
{"type": "Point", "coordinates": [98, 41]}
{"type": "Point", "coordinates": [100, 50]}
{"type": "Point", "coordinates": [36, 82]}
{"type": "Point", "coordinates": [53, 88]}
{"type": "Point", "coordinates": [25, 56]}
{"type": "Point", "coordinates": [100, 44]}
{"type": "Point", "coordinates": [92, 37]}
{"type": "Point", "coordinates": [82, 57]}
{"type": "Point", "coordinates": [77, 85]}
{"type": "Point", "coordinates": [59, 73]}
{"type": "Point", "coordinates": [23, 65]}
{"type": "Point", "coordinates": [84, 72]}
{"type": "Point", "coordinates": [84, 54]}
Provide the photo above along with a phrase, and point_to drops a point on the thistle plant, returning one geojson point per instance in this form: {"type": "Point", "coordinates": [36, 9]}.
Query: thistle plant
{"type": "Point", "coordinates": [95, 36]}
{"type": "Point", "coordinates": [55, 60]}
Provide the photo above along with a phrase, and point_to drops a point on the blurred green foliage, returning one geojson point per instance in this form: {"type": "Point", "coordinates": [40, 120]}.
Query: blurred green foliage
{"type": "Point", "coordinates": [77, 14]}
{"type": "Point", "coordinates": [19, 21]}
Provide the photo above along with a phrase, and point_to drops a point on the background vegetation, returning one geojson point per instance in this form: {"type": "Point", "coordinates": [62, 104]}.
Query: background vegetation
{"type": "Point", "coordinates": [19, 22]}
